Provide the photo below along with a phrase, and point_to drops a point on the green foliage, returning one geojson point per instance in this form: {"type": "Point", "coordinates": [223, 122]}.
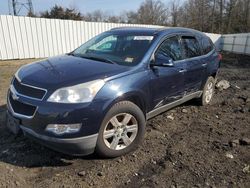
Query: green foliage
{"type": "Point", "coordinates": [59, 12]}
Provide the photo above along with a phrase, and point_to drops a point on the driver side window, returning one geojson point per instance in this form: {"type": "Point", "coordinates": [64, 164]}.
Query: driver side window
{"type": "Point", "coordinates": [171, 48]}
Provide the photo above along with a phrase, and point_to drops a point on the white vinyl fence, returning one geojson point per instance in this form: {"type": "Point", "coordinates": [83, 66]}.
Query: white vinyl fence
{"type": "Point", "coordinates": [26, 37]}
{"type": "Point", "coordinates": [236, 43]}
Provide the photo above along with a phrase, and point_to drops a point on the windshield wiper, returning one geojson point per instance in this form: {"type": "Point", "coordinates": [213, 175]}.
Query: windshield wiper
{"type": "Point", "coordinates": [95, 58]}
{"type": "Point", "coordinates": [101, 59]}
{"type": "Point", "coordinates": [71, 53]}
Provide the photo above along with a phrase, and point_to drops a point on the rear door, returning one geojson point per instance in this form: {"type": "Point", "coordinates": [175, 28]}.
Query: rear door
{"type": "Point", "coordinates": [210, 58]}
{"type": "Point", "coordinates": [195, 69]}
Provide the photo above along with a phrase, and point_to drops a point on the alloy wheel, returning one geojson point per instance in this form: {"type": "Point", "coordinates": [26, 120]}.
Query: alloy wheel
{"type": "Point", "coordinates": [209, 92]}
{"type": "Point", "coordinates": [120, 131]}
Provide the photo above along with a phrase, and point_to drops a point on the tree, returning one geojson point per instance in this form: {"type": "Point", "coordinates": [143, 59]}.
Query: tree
{"type": "Point", "coordinates": [221, 16]}
{"type": "Point", "coordinates": [230, 7]}
{"type": "Point", "coordinates": [217, 16]}
{"type": "Point", "coordinates": [31, 14]}
{"type": "Point", "coordinates": [174, 11]}
{"type": "Point", "coordinates": [59, 12]}
{"type": "Point", "coordinates": [96, 16]}
{"type": "Point", "coordinates": [116, 19]}
{"type": "Point", "coordinates": [100, 16]}
{"type": "Point", "coordinates": [150, 12]}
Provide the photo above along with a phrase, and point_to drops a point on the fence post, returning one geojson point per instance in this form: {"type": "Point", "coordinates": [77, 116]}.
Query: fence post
{"type": "Point", "coordinates": [245, 49]}
{"type": "Point", "coordinates": [233, 43]}
{"type": "Point", "coordinates": [222, 39]}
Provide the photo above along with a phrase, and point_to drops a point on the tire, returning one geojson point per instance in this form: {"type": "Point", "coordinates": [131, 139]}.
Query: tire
{"type": "Point", "coordinates": [116, 130]}
{"type": "Point", "coordinates": [208, 91]}
{"type": "Point", "coordinates": [12, 128]}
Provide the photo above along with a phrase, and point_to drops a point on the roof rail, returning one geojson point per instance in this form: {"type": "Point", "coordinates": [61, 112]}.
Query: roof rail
{"type": "Point", "coordinates": [127, 27]}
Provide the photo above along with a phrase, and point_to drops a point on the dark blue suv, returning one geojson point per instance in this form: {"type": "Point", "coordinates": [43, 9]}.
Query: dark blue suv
{"type": "Point", "coordinates": [98, 97]}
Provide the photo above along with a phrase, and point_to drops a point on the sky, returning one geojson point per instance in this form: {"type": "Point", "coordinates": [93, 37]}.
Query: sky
{"type": "Point", "coordinates": [111, 6]}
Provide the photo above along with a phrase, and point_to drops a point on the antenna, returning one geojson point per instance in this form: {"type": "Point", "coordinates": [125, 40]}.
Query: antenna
{"type": "Point", "coordinates": [16, 6]}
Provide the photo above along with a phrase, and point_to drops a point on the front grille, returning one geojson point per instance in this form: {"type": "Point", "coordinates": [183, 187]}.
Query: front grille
{"type": "Point", "coordinates": [28, 91]}
{"type": "Point", "coordinates": [21, 108]}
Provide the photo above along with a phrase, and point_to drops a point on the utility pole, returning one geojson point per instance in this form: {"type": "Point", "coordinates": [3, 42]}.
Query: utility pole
{"type": "Point", "coordinates": [16, 6]}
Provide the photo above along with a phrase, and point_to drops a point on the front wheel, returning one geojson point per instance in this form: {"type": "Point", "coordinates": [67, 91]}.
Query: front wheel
{"type": "Point", "coordinates": [121, 131]}
{"type": "Point", "coordinates": [208, 91]}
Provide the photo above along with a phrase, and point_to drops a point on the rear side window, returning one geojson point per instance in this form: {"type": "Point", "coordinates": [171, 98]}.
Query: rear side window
{"type": "Point", "coordinates": [191, 47]}
{"type": "Point", "coordinates": [207, 45]}
{"type": "Point", "coordinates": [171, 48]}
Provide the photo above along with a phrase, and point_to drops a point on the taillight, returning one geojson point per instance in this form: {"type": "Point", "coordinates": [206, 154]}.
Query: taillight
{"type": "Point", "coordinates": [220, 57]}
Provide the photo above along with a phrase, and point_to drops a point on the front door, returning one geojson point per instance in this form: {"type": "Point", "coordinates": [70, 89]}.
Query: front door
{"type": "Point", "coordinates": [167, 81]}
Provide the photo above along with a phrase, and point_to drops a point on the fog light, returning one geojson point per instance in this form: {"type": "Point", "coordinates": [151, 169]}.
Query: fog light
{"type": "Point", "coordinates": [60, 129]}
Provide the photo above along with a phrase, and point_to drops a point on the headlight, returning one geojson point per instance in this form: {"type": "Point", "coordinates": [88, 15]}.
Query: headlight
{"type": "Point", "coordinates": [80, 93]}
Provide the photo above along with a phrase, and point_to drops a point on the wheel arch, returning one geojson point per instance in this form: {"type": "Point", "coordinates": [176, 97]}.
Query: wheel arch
{"type": "Point", "coordinates": [135, 97]}
{"type": "Point", "coordinates": [211, 74]}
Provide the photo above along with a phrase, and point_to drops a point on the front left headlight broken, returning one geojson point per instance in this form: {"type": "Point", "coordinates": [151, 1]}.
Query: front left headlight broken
{"type": "Point", "coordinates": [81, 93]}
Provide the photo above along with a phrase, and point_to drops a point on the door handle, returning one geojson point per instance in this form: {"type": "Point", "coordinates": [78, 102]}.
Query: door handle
{"type": "Point", "coordinates": [204, 64]}
{"type": "Point", "coordinates": [182, 70]}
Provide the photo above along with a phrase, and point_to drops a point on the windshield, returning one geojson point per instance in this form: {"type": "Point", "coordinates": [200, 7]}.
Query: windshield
{"type": "Point", "coordinates": [121, 49]}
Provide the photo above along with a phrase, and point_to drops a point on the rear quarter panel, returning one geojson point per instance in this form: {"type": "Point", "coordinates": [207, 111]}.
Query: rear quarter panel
{"type": "Point", "coordinates": [213, 64]}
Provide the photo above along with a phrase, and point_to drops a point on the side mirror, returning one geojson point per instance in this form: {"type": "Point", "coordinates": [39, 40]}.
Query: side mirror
{"type": "Point", "coordinates": [163, 60]}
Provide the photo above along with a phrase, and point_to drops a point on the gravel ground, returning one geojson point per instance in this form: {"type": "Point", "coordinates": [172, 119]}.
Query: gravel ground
{"type": "Point", "coordinates": [188, 146]}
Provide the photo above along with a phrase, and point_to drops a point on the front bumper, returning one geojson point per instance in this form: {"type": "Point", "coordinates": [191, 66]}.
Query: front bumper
{"type": "Point", "coordinates": [80, 143]}
{"type": "Point", "coordinates": [90, 115]}
{"type": "Point", "coordinates": [72, 146]}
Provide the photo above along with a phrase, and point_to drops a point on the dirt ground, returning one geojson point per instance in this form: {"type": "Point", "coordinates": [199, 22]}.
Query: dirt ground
{"type": "Point", "coordinates": [192, 150]}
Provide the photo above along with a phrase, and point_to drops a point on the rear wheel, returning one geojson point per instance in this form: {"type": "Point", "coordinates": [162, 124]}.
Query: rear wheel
{"type": "Point", "coordinates": [208, 91]}
{"type": "Point", "coordinates": [121, 131]}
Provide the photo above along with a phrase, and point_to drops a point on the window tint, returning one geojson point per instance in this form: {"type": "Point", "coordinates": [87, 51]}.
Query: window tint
{"type": "Point", "coordinates": [171, 48]}
{"type": "Point", "coordinates": [207, 45]}
{"type": "Point", "coordinates": [191, 47]}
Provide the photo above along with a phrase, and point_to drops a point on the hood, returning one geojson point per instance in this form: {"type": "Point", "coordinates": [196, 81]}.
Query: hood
{"type": "Point", "coordinates": [63, 71]}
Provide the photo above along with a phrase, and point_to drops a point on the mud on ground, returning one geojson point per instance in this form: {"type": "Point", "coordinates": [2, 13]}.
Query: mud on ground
{"type": "Point", "coordinates": [192, 150]}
